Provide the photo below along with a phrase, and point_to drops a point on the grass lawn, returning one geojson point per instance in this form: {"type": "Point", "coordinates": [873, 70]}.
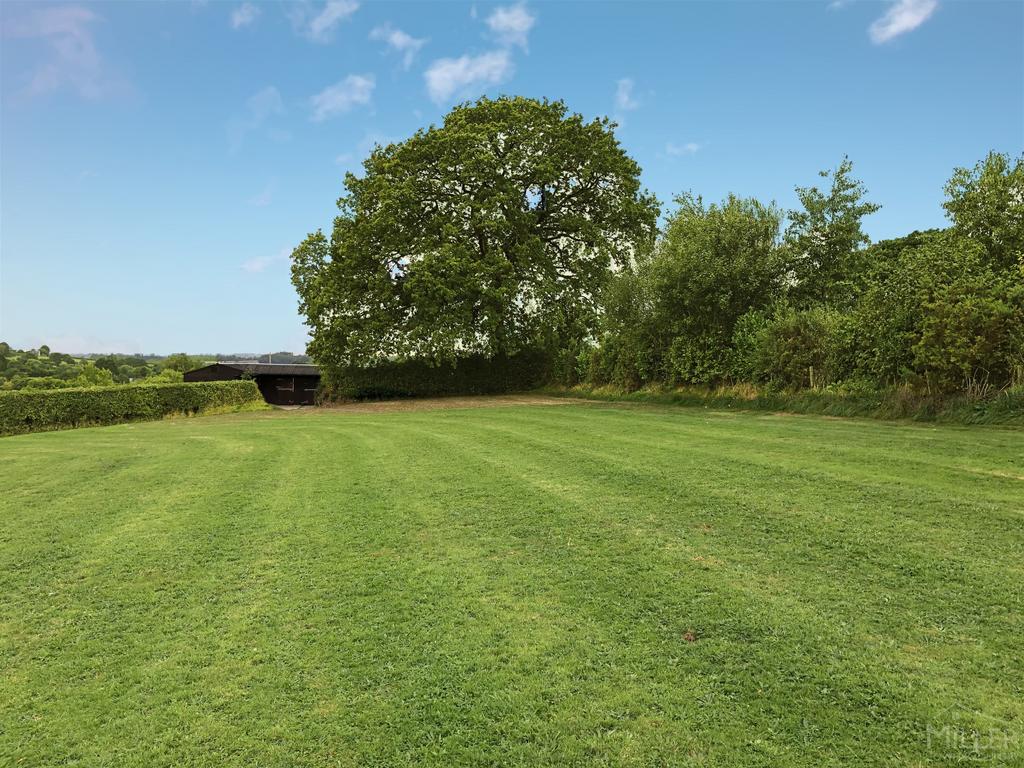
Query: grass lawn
{"type": "Point", "coordinates": [571, 584]}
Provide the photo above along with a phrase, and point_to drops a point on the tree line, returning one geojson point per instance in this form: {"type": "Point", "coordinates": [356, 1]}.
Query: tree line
{"type": "Point", "coordinates": [42, 368]}
{"type": "Point", "coordinates": [727, 295]}
{"type": "Point", "coordinates": [517, 226]}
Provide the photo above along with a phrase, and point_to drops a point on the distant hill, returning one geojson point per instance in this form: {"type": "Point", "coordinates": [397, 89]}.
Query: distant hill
{"type": "Point", "coordinates": [43, 368]}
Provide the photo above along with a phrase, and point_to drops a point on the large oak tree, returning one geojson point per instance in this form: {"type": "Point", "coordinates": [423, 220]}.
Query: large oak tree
{"type": "Point", "coordinates": [488, 235]}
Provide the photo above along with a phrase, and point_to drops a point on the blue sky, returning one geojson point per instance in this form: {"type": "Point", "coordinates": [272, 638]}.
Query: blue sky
{"type": "Point", "coordinates": [160, 159]}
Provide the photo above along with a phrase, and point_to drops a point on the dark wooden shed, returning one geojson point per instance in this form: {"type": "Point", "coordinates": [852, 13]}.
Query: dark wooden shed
{"type": "Point", "coordinates": [279, 384]}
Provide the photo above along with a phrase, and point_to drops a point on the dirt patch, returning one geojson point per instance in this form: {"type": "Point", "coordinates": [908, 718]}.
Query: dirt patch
{"type": "Point", "coordinates": [446, 403]}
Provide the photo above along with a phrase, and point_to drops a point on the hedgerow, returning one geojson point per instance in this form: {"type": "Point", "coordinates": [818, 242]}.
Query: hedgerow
{"type": "Point", "coordinates": [726, 298]}
{"type": "Point", "coordinates": [35, 411]}
{"type": "Point", "coordinates": [471, 375]}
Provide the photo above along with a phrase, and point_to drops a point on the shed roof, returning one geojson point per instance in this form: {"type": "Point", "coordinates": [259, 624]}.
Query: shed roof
{"type": "Point", "coordinates": [274, 369]}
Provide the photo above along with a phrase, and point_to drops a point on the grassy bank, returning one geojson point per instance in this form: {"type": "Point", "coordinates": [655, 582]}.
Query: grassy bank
{"type": "Point", "coordinates": [1003, 408]}
{"type": "Point", "coordinates": [575, 584]}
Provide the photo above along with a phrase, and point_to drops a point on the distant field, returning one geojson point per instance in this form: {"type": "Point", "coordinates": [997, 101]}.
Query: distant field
{"type": "Point", "coordinates": [571, 584]}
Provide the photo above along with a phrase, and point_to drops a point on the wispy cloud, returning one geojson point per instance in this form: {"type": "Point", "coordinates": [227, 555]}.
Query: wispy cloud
{"type": "Point", "coordinates": [72, 58]}
{"type": "Point", "coordinates": [680, 150]}
{"type": "Point", "coordinates": [264, 198]}
{"type": "Point", "coordinates": [319, 25]}
{"type": "Point", "coordinates": [399, 41]}
{"type": "Point", "coordinates": [262, 263]}
{"type": "Point", "coordinates": [903, 16]}
{"type": "Point", "coordinates": [624, 99]}
{"type": "Point", "coordinates": [364, 147]}
{"type": "Point", "coordinates": [244, 15]}
{"type": "Point", "coordinates": [511, 24]}
{"type": "Point", "coordinates": [447, 77]}
{"type": "Point", "coordinates": [259, 109]}
{"type": "Point", "coordinates": [353, 91]}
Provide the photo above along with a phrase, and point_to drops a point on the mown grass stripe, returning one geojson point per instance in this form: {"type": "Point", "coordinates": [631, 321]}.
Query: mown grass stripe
{"type": "Point", "coordinates": [511, 586]}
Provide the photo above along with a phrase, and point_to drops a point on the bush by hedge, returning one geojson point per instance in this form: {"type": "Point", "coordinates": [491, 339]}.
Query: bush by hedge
{"type": "Point", "coordinates": [35, 411]}
{"type": "Point", "coordinates": [473, 375]}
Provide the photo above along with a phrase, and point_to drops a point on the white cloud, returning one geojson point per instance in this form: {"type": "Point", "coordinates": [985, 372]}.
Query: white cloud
{"type": "Point", "coordinates": [257, 264]}
{"type": "Point", "coordinates": [320, 27]}
{"type": "Point", "coordinates": [903, 16]}
{"type": "Point", "coordinates": [624, 99]}
{"type": "Point", "coordinates": [342, 96]}
{"type": "Point", "coordinates": [366, 145]}
{"type": "Point", "coordinates": [264, 198]}
{"type": "Point", "coordinates": [678, 150]}
{"type": "Point", "coordinates": [399, 41]}
{"type": "Point", "coordinates": [446, 77]}
{"type": "Point", "coordinates": [244, 15]}
{"type": "Point", "coordinates": [511, 24]}
{"type": "Point", "coordinates": [259, 108]}
{"type": "Point", "coordinates": [261, 263]}
{"type": "Point", "coordinates": [73, 59]}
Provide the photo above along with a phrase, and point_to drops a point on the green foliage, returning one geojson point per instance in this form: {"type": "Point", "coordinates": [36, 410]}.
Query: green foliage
{"type": "Point", "coordinates": [166, 376]}
{"type": "Point", "coordinates": [941, 316]}
{"type": "Point", "coordinates": [46, 369]}
{"type": "Point", "coordinates": [631, 346]}
{"type": "Point", "coordinates": [972, 332]}
{"type": "Point", "coordinates": [792, 349]}
{"type": "Point", "coordinates": [91, 375]}
{"type": "Point", "coordinates": [824, 238]}
{"type": "Point", "coordinates": [721, 300]}
{"type": "Point", "coordinates": [20, 368]}
{"type": "Point", "coordinates": [670, 317]}
{"type": "Point", "coordinates": [491, 234]}
{"type": "Point", "coordinates": [108, 363]}
{"type": "Point", "coordinates": [33, 411]}
{"type": "Point", "coordinates": [181, 362]}
{"type": "Point", "coordinates": [474, 374]}
{"type": "Point", "coordinates": [47, 382]}
{"type": "Point", "coordinates": [986, 204]}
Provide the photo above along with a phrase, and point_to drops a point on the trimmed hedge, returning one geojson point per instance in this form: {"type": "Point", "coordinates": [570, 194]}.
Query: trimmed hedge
{"type": "Point", "coordinates": [36, 411]}
{"type": "Point", "coordinates": [474, 375]}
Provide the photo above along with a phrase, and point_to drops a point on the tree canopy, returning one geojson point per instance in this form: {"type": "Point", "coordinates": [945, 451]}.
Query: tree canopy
{"type": "Point", "coordinates": [492, 233]}
{"type": "Point", "coordinates": [824, 236]}
{"type": "Point", "coordinates": [724, 301]}
{"type": "Point", "coordinates": [986, 204]}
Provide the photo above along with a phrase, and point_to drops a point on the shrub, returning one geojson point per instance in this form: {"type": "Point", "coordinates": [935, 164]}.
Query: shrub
{"type": "Point", "coordinates": [472, 375]}
{"type": "Point", "coordinates": [697, 359]}
{"type": "Point", "coordinates": [788, 348]}
{"type": "Point", "coordinates": [34, 411]}
{"type": "Point", "coordinates": [940, 317]}
{"type": "Point", "coordinates": [972, 333]}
